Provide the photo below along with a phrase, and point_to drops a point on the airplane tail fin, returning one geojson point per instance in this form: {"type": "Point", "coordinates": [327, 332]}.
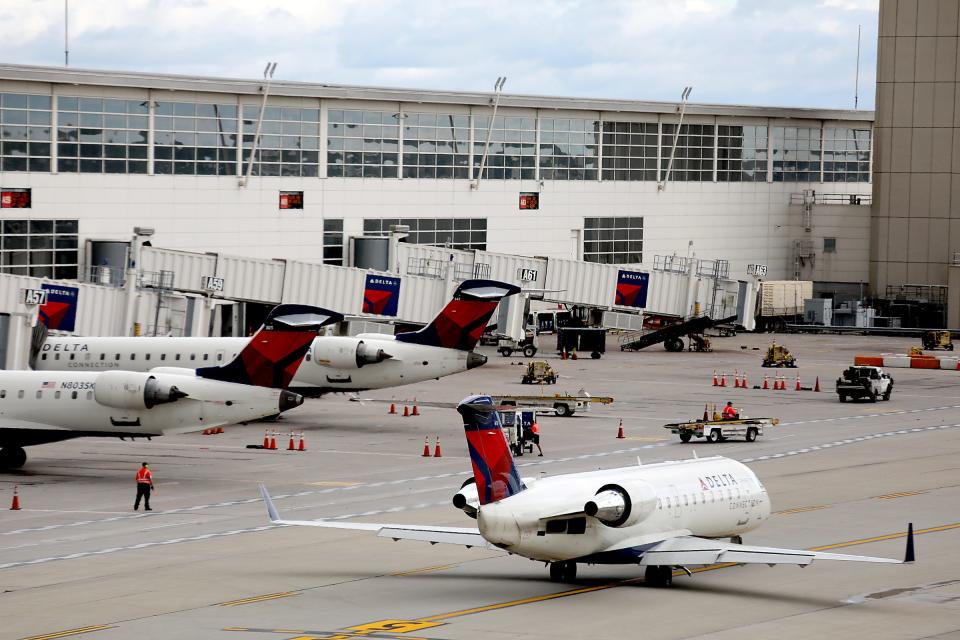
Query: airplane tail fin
{"type": "Point", "coordinates": [461, 323]}
{"type": "Point", "coordinates": [494, 470]}
{"type": "Point", "coordinates": [275, 352]}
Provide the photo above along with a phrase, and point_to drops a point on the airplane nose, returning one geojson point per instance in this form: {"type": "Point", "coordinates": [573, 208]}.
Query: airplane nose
{"type": "Point", "coordinates": [475, 360]}
{"type": "Point", "coordinates": [289, 400]}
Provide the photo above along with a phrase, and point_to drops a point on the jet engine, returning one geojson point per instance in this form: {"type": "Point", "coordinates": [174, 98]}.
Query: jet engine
{"type": "Point", "coordinates": [467, 499]}
{"type": "Point", "coordinates": [622, 505]}
{"type": "Point", "coordinates": [129, 390]}
{"type": "Point", "coordinates": [342, 352]}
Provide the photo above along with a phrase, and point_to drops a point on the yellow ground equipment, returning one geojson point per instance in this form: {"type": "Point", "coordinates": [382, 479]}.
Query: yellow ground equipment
{"type": "Point", "coordinates": [778, 356]}
{"type": "Point", "coordinates": [700, 343]}
{"type": "Point", "coordinates": [915, 351]}
{"type": "Point", "coordinates": [539, 372]}
{"type": "Point", "coordinates": [937, 340]}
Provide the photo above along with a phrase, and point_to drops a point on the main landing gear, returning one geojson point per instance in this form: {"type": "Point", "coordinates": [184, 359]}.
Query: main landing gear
{"type": "Point", "coordinates": [12, 457]}
{"type": "Point", "coordinates": [659, 576]}
{"type": "Point", "coordinates": [563, 571]}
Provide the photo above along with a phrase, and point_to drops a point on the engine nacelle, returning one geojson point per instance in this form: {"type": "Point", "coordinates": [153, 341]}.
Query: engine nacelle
{"type": "Point", "coordinates": [129, 390]}
{"type": "Point", "coordinates": [467, 499]}
{"type": "Point", "coordinates": [622, 505]}
{"type": "Point", "coordinates": [343, 352]}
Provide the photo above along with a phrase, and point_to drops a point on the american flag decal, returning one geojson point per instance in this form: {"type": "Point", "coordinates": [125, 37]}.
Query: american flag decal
{"type": "Point", "coordinates": [48, 385]}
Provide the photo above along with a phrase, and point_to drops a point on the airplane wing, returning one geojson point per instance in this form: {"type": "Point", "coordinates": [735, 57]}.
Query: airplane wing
{"type": "Point", "coordinates": [691, 550]}
{"type": "Point", "coordinates": [464, 536]}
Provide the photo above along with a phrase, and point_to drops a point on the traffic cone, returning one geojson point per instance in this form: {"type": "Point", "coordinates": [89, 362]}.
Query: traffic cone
{"type": "Point", "coordinates": [273, 441]}
{"type": "Point", "coordinates": [716, 381]}
{"type": "Point", "coordinates": [816, 387]}
{"type": "Point", "coordinates": [798, 383]}
{"type": "Point", "coordinates": [15, 505]}
{"type": "Point", "coordinates": [766, 381]}
{"type": "Point", "coordinates": [620, 435]}
{"type": "Point", "coordinates": [573, 356]}
{"type": "Point", "coordinates": [303, 445]}
{"type": "Point", "coordinates": [743, 382]}
{"type": "Point", "coordinates": [393, 410]}
{"type": "Point", "coordinates": [266, 440]}
{"type": "Point", "coordinates": [291, 447]}
{"type": "Point", "coordinates": [563, 354]}
{"type": "Point", "coordinates": [205, 432]}
{"type": "Point", "coordinates": [723, 379]}
{"type": "Point", "coordinates": [406, 411]}
{"type": "Point", "coordinates": [217, 430]}
{"type": "Point", "coordinates": [436, 451]}
{"type": "Point", "coordinates": [783, 383]}
{"type": "Point", "coordinates": [706, 416]}
{"type": "Point", "coordinates": [416, 409]}
{"type": "Point", "coordinates": [426, 447]}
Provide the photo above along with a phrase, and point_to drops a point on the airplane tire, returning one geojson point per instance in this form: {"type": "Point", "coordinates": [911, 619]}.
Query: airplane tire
{"type": "Point", "coordinates": [12, 457]}
{"type": "Point", "coordinates": [659, 576]}
{"type": "Point", "coordinates": [563, 571]}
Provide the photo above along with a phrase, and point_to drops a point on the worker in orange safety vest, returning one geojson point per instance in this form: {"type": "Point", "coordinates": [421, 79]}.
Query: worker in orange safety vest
{"type": "Point", "coordinates": [144, 487]}
{"type": "Point", "coordinates": [535, 436]}
{"type": "Point", "coordinates": [729, 413]}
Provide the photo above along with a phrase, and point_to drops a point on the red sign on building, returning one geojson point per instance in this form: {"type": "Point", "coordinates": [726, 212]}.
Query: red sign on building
{"type": "Point", "coordinates": [15, 199]}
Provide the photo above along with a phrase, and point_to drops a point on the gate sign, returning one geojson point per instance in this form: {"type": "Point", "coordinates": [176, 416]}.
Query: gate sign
{"type": "Point", "coordinates": [381, 295]}
{"type": "Point", "coordinates": [60, 311]}
{"type": "Point", "coordinates": [632, 289]}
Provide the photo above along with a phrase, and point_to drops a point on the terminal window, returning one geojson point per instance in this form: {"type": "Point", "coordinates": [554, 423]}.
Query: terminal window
{"type": "Point", "coordinates": [613, 240]}
{"type": "Point", "coordinates": [846, 155]}
{"type": "Point", "coordinates": [456, 233]}
{"type": "Point", "coordinates": [24, 132]}
{"type": "Point", "coordinates": [39, 248]}
{"type": "Point", "coordinates": [569, 149]}
{"type": "Point", "coordinates": [101, 135]}
{"type": "Point", "coordinates": [741, 153]}
{"type": "Point", "coordinates": [333, 241]}
{"type": "Point", "coordinates": [630, 150]}
{"type": "Point", "coordinates": [362, 144]}
{"type": "Point", "coordinates": [195, 139]}
{"type": "Point", "coordinates": [512, 151]}
{"type": "Point", "coordinates": [436, 145]}
{"type": "Point", "coordinates": [693, 158]}
{"type": "Point", "coordinates": [796, 154]}
{"type": "Point", "coordinates": [289, 142]}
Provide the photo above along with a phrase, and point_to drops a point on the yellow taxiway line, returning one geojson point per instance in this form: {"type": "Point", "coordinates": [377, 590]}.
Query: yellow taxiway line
{"type": "Point", "coordinates": [70, 632]}
{"type": "Point", "coordinates": [255, 599]}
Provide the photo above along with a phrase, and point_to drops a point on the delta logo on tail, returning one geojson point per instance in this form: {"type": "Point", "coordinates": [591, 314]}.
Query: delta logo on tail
{"type": "Point", "coordinates": [275, 352]}
{"type": "Point", "coordinates": [461, 323]}
{"type": "Point", "coordinates": [494, 471]}
{"type": "Point", "coordinates": [632, 289]}
{"type": "Point", "coordinates": [381, 295]}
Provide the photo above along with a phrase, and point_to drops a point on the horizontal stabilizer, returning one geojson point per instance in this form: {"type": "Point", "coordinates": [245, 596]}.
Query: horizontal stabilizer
{"type": "Point", "coordinates": [691, 550]}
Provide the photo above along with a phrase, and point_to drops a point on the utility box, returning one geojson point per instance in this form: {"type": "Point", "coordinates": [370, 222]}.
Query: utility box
{"type": "Point", "coordinates": [818, 311]}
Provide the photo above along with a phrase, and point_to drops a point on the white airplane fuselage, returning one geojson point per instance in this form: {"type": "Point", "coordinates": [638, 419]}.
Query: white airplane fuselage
{"type": "Point", "coordinates": [333, 363]}
{"type": "Point", "coordinates": [113, 402]}
{"type": "Point", "coordinates": [709, 497]}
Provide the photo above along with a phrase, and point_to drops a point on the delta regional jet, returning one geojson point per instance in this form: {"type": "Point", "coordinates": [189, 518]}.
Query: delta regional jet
{"type": "Point", "coordinates": [333, 363]}
{"type": "Point", "coordinates": [658, 516]}
{"type": "Point", "coordinates": [38, 407]}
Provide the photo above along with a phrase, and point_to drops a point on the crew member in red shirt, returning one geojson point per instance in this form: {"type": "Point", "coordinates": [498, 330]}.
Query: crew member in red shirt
{"type": "Point", "coordinates": [144, 487]}
{"type": "Point", "coordinates": [729, 413]}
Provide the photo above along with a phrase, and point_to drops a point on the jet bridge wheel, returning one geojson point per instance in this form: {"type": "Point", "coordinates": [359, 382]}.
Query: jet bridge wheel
{"type": "Point", "coordinates": [659, 576]}
{"type": "Point", "coordinates": [563, 571]}
{"type": "Point", "coordinates": [12, 457]}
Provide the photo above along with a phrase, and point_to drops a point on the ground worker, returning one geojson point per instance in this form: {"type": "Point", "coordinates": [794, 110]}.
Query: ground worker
{"type": "Point", "coordinates": [535, 436]}
{"type": "Point", "coordinates": [729, 413]}
{"type": "Point", "coordinates": [144, 487]}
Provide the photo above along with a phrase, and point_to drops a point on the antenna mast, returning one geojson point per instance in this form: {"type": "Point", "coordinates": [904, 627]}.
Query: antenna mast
{"type": "Point", "coordinates": [856, 81]}
{"type": "Point", "coordinates": [66, 33]}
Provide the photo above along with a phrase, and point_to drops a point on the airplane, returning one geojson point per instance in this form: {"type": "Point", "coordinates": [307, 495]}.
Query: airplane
{"type": "Point", "coordinates": [39, 407]}
{"type": "Point", "coordinates": [334, 363]}
{"type": "Point", "coordinates": [658, 516]}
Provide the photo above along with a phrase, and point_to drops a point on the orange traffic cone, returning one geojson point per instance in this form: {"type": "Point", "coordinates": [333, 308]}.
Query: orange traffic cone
{"type": "Point", "coordinates": [716, 380]}
{"type": "Point", "coordinates": [766, 381]}
{"type": "Point", "coordinates": [273, 441]}
{"type": "Point", "coordinates": [816, 387]}
{"type": "Point", "coordinates": [205, 432]}
{"type": "Point", "coordinates": [218, 430]}
{"type": "Point", "coordinates": [426, 447]}
{"type": "Point", "coordinates": [563, 354]}
{"type": "Point", "coordinates": [706, 416]}
{"type": "Point", "coordinates": [291, 447]}
{"type": "Point", "coordinates": [723, 379]}
{"type": "Point", "coordinates": [798, 383]}
{"type": "Point", "coordinates": [743, 382]}
{"type": "Point", "coordinates": [393, 409]}
{"type": "Point", "coordinates": [406, 411]}
{"type": "Point", "coordinates": [620, 435]}
{"type": "Point", "coordinates": [15, 505]}
{"type": "Point", "coordinates": [573, 356]}
{"type": "Point", "coordinates": [416, 409]}
{"type": "Point", "coordinates": [436, 451]}
{"type": "Point", "coordinates": [303, 445]}
{"type": "Point", "coordinates": [266, 440]}
{"type": "Point", "coordinates": [783, 383]}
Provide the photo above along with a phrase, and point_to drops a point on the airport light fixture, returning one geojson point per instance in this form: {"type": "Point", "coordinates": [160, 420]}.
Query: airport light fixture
{"type": "Point", "coordinates": [267, 76]}
{"type": "Point", "coordinates": [495, 101]}
{"type": "Point", "coordinates": [676, 136]}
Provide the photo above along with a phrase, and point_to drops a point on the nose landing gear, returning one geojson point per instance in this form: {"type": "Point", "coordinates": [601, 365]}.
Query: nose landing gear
{"type": "Point", "coordinates": [563, 571]}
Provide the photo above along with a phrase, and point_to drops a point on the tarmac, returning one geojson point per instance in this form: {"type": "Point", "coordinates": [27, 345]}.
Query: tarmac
{"type": "Point", "coordinates": [77, 561]}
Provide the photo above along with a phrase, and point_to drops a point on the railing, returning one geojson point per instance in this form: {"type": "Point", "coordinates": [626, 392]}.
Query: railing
{"type": "Point", "coordinates": [716, 269]}
{"type": "Point", "coordinates": [426, 267]}
{"type": "Point", "coordinates": [673, 264]}
{"type": "Point", "coordinates": [106, 276]}
{"type": "Point", "coordinates": [156, 279]}
{"type": "Point", "coordinates": [934, 293]}
{"type": "Point", "coordinates": [863, 199]}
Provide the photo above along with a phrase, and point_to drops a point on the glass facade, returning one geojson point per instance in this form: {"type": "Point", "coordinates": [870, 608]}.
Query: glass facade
{"type": "Point", "coordinates": [456, 233]}
{"type": "Point", "coordinates": [513, 149]}
{"type": "Point", "coordinates": [436, 145]}
{"type": "Point", "coordinates": [846, 155]}
{"type": "Point", "coordinates": [195, 139]}
{"type": "Point", "coordinates": [630, 150]}
{"type": "Point", "coordinates": [40, 248]}
{"type": "Point", "coordinates": [796, 154]}
{"type": "Point", "coordinates": [616, 240]}
{"type": "Point", "coordinates": [569, 149]}
{"type": "Point", "coordinates": [333, 241]}
{"type": "Point", "coordinates": [741, 153]}
{"type": "Point", "coordinates": [24, 132]}
{"type": "Point", "coordinates": [693, 159]}
{"type": "Point", "coordinates": [289, 141]}
{"type": "Point", "coordinates": [101, 135]}
{"type": "Point", "coordinates": [362, 144]}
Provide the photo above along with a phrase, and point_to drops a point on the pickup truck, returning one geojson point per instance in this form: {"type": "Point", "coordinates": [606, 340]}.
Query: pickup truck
{"type": "Point", "coordinates": [864, 382]}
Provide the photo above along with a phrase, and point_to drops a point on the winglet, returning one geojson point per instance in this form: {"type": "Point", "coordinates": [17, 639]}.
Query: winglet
{"type": "Point", "coordinates": [910, 555]}
{"type": "Point", "coordinates": [271, 509]}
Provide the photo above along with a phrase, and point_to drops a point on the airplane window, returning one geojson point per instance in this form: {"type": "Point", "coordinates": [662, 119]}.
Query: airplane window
{"type": "Point", "coordinates": [163, 356]}
{"type": "Point", "coordinates": [193, 356]}
{"type": "Point", "coordinates": [73, 395]}
{"type": "Point", "coordinates": [206, 357]}
{"type": "Point", "coordinates": [89, 395]}
{"type": "Point", "coordinates": [56, 356]}
{"type": "Point", "coordinates": [103, 356]}
{"type": "Point", "coordinates": [577, 526]}
{"type": "Point", "coordinates": [3, 393]}
{"type": "Point", "coordinates": [20, 394]}
{"type": "Point", "coordinates": [556, 526]}
{"type": "Point", "coordinates": [73, 356]}
{"type": "Point", "coordinates": [307, 357]}
{"type": "Point", "coordinates": [56, 395]}
{"type": "Point", "coordinates": [117, 357]}
{"type": "Point", "coordinates": [659, 504]}
{"type": "Point", "coordinates": [86, 356]}
{"type": "Point", "coordinates": [176, 357]}
{"type": "Point", "coordinates": [39, 394]}
{"type": "Point", "coordinates": [685, 503]}
{"type": "Point", "coordinates": [43, 357]}
{"type": "Point", "coordinates": [146, 357]}
{"type": "Point", "coordinates": [220, 357]}
{"type": "Point", "coordinates": [133, 357]}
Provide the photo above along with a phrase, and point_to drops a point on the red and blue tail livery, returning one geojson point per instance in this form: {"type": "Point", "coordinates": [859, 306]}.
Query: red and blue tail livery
{"type": "Point", "coordinates": [461, 323]}
{"type": "Point", "coordinates": [275, 352]}
{"type": "Point", "coordinates": [493, 467]}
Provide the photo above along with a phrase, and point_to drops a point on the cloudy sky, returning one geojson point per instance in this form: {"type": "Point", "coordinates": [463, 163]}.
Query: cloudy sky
{"type": "Point", "coordinates": [765, 52]}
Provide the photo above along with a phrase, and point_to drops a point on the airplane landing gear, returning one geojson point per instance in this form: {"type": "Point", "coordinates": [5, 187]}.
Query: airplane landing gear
{"type": "Point", "coordinates": [659, 576]}
{"type": "Point", "coordinates": [563, 571]}
{"type": "Point", "coordinates": [12, 457]}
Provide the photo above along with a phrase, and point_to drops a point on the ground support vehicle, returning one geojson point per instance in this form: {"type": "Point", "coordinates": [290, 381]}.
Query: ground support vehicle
{"type": "Point", "coordinates": [539, 372]}
{"type": "Point", "coordinates": [517, 427]}
{"type": "Point", "coordinates": [528, 345]}
{"type": "Point", "coordinates": [937, 340]}
{"type": "Point", "coordinates": [778, 356]}
{"type": "Point", "coordinates": [564, 405]}
{"type": "Point", "coordinates": [864, 382]}
{"type": "Point", "coordinates": [720, 430]}
{"type": "Point", "coordinates": [671, 335]}
{"type": "Point", "coordinates": [582, 339]}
